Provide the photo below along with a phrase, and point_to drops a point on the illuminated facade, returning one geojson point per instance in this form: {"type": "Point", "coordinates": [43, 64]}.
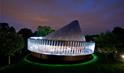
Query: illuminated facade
{"type": "Point", "coordinates": [68, 41]}
{"type": "Point", "coordinates": [57, 47]}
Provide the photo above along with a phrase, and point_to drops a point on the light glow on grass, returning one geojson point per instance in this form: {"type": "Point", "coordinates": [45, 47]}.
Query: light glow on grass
{"type": "Point", "coordinates": [122, 56]}
{"type": "Point", "coordinates": [62, 65]}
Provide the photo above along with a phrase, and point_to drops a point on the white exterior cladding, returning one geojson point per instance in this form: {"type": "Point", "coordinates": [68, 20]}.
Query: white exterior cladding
{"type": "Point", "coordinates": [60, 47]}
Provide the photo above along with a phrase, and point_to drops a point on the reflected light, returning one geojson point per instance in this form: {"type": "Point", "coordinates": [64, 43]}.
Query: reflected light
{"type": "Point", "coordinates": [94, 59]}
{"type": "Point", "coordinates": [122, 56]}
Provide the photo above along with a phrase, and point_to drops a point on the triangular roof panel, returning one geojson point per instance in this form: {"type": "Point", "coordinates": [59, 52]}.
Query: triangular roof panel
{"type": "Point", "coordinates": [70, 32]}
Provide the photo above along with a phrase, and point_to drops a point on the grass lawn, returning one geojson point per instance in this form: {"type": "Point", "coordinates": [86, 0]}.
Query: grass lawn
{"type": "Point", "coordinates": [99, 66]}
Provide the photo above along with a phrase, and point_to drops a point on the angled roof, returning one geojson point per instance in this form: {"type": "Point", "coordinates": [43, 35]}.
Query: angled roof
{"type": "Point", "coordinates": [70, 32]}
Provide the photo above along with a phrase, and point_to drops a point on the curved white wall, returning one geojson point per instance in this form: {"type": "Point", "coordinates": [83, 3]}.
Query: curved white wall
{"type": "Point", "coordinates": [56, 47]}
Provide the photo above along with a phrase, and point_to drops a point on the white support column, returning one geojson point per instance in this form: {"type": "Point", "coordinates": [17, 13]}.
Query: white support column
{"type": "Point", "coordinates": [54, 46]}
{"type": "Point", "coordinates": [43, 45]}
{"type": "Point", "coordinates": [81, 47]}
{"type": "Point", "coordinates": [75, 50]}
{"type": "Point", "coordinates": [62, 47]}
{"type": "Point", "coordinates": [47, 42]}
{"type": "Point", "coordinates": [51, 46]}
{"type": "Point", "coordinates": [57, 47]}
{"type": "Point", "coordinates": [67, 47]}
{"type": "Point", "coordinates": [77, 46]}
{"type": "Point", "coordinates": [71, 46]}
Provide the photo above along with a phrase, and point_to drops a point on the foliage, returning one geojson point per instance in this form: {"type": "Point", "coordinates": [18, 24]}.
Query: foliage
{"type": "Point", "coordinates": [119, 32]}
{"type": "Point", "coordinates": [44, 30]}
{"type": "Point", "coordinates": [106, 42]}
{"type": "Point", "coordinates": [10, 43]}
{"type": "Point", "coordinates": [25, 32]}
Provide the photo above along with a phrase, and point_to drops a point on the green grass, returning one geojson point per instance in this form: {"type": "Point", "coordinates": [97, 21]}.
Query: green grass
{"type": "Point", "coordinates": [99, 66]}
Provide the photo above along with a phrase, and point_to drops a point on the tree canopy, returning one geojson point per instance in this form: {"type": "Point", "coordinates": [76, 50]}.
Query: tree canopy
{"type": "Point", "coordinates": [44, 30]}
{"type": "Point", "coordinates": [10, 41]}
{"type": "Point", "coordinates": [106, 42]}
{"type": "Point", "coordinates": [25, 32]}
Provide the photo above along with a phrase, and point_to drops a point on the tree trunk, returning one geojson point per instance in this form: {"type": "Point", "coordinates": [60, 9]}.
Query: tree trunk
{"type": "Point", "coordinates": [9, 60]}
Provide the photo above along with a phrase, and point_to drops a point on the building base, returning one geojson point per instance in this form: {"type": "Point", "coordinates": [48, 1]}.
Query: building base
{"type": "Point", "coordinates": [62, 59]}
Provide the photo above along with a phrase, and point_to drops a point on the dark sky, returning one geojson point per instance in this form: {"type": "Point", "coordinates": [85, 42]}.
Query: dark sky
{"type": "Point", "coordinates": [94, 16]}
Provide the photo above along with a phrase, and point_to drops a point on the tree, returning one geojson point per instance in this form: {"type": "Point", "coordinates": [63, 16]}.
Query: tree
{"type": "Point", "coordinates": [44, 30]}
{"type": "Point", "coordinates": [10, 43]}
{"type": "Point", "coordinates": [4, 26]}
{"type": "Point", "coordinates": [119, 32]}
{"type": "Point", "coordinates": [106, 43]}
{"type": "Point", "coordinates": [12, 29]}
{"type": "Point", "coordinates": [25, 33]}
{"type": "Point", "coordinates": [90, 37]}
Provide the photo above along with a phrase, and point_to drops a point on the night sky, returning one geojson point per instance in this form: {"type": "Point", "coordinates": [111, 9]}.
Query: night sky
{"type": "Point", "coordinates": [95, 16]}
